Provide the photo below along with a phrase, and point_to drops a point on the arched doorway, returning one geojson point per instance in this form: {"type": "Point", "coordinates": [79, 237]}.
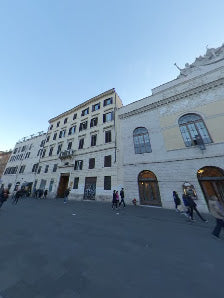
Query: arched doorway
{"type": "Point", "coordinates": [148, 189]}
{"type": "Point", "coordinates": [211, 180]}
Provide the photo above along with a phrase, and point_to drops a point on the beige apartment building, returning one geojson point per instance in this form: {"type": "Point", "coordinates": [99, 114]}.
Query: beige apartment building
{"type": "Point", "coordinates": [80, 151]}
{"type": "Point", "coordinates": [174, 139]}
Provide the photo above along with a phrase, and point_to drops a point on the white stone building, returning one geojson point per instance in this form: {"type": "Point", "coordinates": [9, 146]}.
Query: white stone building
{"type": "Point", "coordinates": [23, 163]}
{"type": "Point", "coordinates": [174, 139]}
{"type": "Point", "coordinates": [80, 151]}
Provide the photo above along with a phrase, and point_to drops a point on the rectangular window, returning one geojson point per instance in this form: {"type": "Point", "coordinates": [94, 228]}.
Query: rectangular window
{"type": "Point", "coordinates": [59, 148]}
{"type": "Point", "coordinates": [51, 126]}
{"type": "Point", "coordinates": [83, 126]}
{"type": "Point", "coordinates": [15, 150]}
{"type": "Point", "coordinates": [108, 136]}
{"type": "Point", "coordinates": [65, 120]}
{"type": "Point", "coordinates": [108, 117]}
{"type": "Point", "coordinates": [39, 152]}
{"type": "Point", "coordinates": [107, 182]}
{"type": "Point", "coordinates": [69, 146]}
{"type": "Point", "coordinates": [35, 166]}
{"type": "Point", "coordinates": [39, 169]}
{"type": "Point", "coordinates": [78, 165]}
{"type": "Point", "coordinates": [46, 169]}
{"type": "Point", "coordinates": [93, 140]}
{"type": "Point", "coordinates": [43, 153]}
{"type": "Point", "coordinates": [93, 122]}
{"type": "Point", "coordinates": [22, 168]}
{"type": "Point", "coordinates": [55, 167]}
{"type": "Point", "coordinates": [55, 136]}
{"type": "Point", "coordinates": [96, 107]}
{"type": "Point", "coordinates": [27, 155]}
{"type": "Point", "coordinates": [74, 116]}
{"type": "Point", "coordinates": [51, 151]}
{"type": "Point", "coordinates": [91, 163]}
{"type": "Point", "coordinates": [47, 139]}
{"type": "Point", "coordinates": [107, 161]}
{"type": "Point", "coordinates": [51, 185]}
{"type": "Point", "coordinates": [58, 123]}
{"type": "Point", "coordinates": [108, 101]}
{"type": "Point", "coordinates": [81, 143]}
{"type": "Point", "coordinates": [62, 133]}
{"type": "Point", "coordinates": [85, 112]}
{"type": "Point", "coordinates": [42, 143]}
{"type": "Point", "coordinates": [76, 183]}
{"type": "Point", "coordinates": [23, 148]}
{"type": "Point", "coordinates": [72, 130]}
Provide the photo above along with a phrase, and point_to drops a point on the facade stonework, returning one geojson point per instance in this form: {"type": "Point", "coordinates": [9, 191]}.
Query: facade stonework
{"type": "Point", "coordinates": [174, 161]}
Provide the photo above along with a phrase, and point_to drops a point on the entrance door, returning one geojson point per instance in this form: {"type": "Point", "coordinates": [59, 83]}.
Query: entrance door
{"type": "Point", "coordinates": [90, 188]}
{"type": "Point", "coordinates": [63, 185]}
{"type": "Point", "coordinates": [149, 189]}
{"type": "Point", "coordinates": [211, 180]}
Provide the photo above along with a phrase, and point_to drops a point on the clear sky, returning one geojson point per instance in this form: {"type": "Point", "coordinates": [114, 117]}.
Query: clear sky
{"type": "Point", "coordinates": [56, 54]}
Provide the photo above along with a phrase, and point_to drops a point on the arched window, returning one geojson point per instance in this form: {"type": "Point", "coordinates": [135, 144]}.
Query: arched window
{"type": "Point", "coordinates": [192, 128]}
{"type": "Point", "coordinates": [141, 140]}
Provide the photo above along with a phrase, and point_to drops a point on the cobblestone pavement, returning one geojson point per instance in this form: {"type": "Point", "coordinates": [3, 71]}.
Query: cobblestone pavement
{"type": "Point", "coordinates": [85, 249]}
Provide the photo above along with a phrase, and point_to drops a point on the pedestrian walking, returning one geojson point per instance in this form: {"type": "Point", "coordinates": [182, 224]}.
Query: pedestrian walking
{"type": "Point", "coordinates": [122, 197]}
{"type": "Point", "coordinates": [176, 201]}
{"type": "Point", "coordinates": [4, 194]}
{"type": "Point", "coordinates": [114, 201]}
{"type": "Point", "coordinates": [40, 193]}
{"type": "Point", "coordinates": [45, 193]}
{"type": "Point", "coordinates": [117, 198]}
{"type": "Point", "coordinates": [66, 194]}
{"type": "Point", "coordinates": [217, 210]}
{"type": "Point", "coordinates": [193, 207]}
{"type": "Point", "coordinates": [16, 197]}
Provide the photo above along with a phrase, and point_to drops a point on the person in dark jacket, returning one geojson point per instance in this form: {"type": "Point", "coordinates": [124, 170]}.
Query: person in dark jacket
{"type": "Point", "coordinates": [4, 194]}
{"type": "Point", "coordinates": [176, 200]}
{"type": "Point", "coordinates": [193, 207]}
{"type": "Point", "coordinates": [45, 193]}
{"type": "Point", "coordinates": [122, 197]}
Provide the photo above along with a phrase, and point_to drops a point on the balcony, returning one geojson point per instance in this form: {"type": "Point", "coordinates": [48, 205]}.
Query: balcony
{"type": "Point", "coordinates": [67, 154]}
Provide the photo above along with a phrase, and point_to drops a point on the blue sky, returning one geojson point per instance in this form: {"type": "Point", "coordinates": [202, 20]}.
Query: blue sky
{"type": "Point", "coordinates": [56, 54]}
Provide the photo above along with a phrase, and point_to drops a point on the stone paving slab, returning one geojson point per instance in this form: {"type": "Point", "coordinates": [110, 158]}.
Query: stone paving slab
{"type": "Point", "coordinates": [46, 252]}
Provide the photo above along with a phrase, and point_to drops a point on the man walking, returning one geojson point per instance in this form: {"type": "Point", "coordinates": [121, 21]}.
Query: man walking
{"type": "Point", "coordinates": [193, 207]}
{"type": "Point", "coordinates": [122, 197]}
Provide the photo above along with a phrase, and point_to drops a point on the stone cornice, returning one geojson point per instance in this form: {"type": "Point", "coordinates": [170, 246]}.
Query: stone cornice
{"type": "Point", "coordinates": [91, 100]}
{"type": "Point", "coordinates": [173, 98]}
